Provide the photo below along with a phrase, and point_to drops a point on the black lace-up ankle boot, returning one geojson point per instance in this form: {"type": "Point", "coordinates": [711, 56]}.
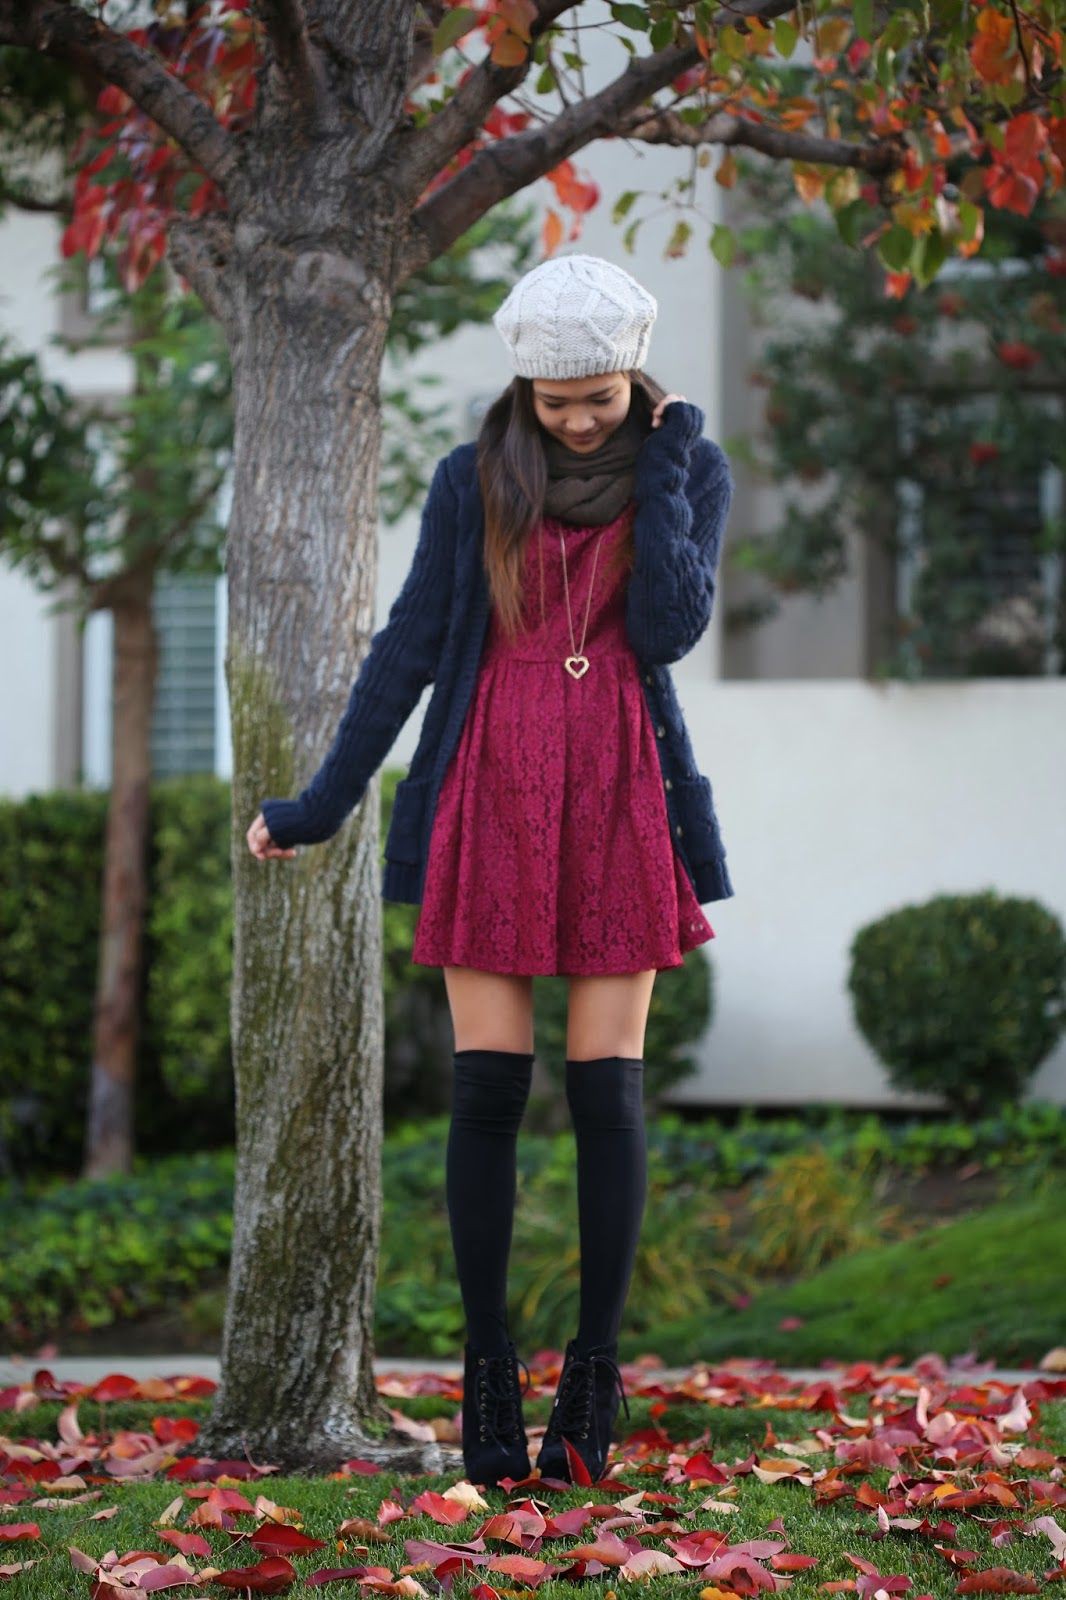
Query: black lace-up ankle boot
{"type": "Point", "coordinates": [494, 1434]}
{"type": "Point", "coordinates": [586, 1403]}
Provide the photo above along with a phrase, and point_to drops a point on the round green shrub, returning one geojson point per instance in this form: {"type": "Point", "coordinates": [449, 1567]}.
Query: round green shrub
{"type": "Point", "coordinates": [963, 995]}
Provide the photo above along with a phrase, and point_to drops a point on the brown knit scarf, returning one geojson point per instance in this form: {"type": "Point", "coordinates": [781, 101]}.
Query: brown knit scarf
{"type": "Point", "coordinates": [591, 488]}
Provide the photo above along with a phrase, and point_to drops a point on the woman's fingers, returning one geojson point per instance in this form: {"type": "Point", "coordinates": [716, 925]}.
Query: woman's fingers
{"type": "Point", "coordinates": [657, 413]}
{"type": "Point", "coordinates": [262, 845]}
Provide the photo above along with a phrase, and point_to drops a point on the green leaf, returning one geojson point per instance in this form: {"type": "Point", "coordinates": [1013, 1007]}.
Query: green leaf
{"type": "Point", "coordinates": [632, 16]}
{"type": "Point", "coordinates": [930, 253]}
{"type": "Point", "coordinates": [862, 15]}
{"type": "Point", "coordinates": [723, 245]}
{"type": "Point", "coordinates": [452, 26]}
{"type": "Point", "coordinates": [679, 238]}
{"type": "Point", "coordinates": [849, 220]}
{"type": "Point", "coordinates": [896, 248]}
{"type": "Point", "coordinates": [969, 218]}
{"type": "Point", "coordinates": [623, 204]}
{"type": "Point", "coordinates": [785, 36]}
{"type": "Point", "coordinates": [662, 33]}
{"type": "Point", "coordinates": [546, 79]}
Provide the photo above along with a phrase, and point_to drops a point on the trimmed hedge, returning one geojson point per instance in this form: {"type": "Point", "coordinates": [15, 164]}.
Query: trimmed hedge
{"type": "Point", "coordinates": [963, 995]}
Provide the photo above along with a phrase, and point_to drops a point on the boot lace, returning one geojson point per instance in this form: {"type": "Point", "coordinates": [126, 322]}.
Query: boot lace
{"type": "Point", "coordinates": [574, 1408]}
{"type": "Point", "coordinates": [498, 1398]}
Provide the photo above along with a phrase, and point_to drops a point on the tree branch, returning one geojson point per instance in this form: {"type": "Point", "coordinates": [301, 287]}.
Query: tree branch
{"type": "Point", "coordinates": [294, 56]}
{"type": "Point", "coordinates": [429, 149]}
{"type": "Point", "coordinates": [60, 29]}
{"type": "Point", "coordinates": [372, 42]}
{"type": "Point", "coordinates": [201, 249]}
{"type": "Point", "coordinates": [665, 127]}
{"type": "Point", "coordinates": [423, 61]}
{"type": "Point", "coordinates": [59, 205]}
{"type": "Point", "coordinates": [503, 168]}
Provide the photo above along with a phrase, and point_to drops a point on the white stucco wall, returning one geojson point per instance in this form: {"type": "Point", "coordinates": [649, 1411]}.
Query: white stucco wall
{"type": "Point", "coordinates": [839, 801]}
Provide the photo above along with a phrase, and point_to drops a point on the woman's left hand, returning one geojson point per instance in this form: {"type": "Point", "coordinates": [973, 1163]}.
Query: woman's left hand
{"type": "Point", "coordinates": [656, 416]}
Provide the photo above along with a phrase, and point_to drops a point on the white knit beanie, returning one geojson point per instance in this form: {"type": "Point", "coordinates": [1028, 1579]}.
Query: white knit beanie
{"type": "Point", "coordinates": [574, 316]}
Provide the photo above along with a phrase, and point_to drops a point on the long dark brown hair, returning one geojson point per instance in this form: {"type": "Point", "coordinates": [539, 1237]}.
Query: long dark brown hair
{"type": "Point", "coordinates": [513, 475]}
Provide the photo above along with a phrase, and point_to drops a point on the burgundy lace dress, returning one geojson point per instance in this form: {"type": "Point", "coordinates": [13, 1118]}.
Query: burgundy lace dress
{"type": "Point", "coordinates": [550, 850]}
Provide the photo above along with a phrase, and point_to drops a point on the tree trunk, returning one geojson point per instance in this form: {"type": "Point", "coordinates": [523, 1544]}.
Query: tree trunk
{"type": "Point", "coordinates": [116, 1018]}
{"type": "Point", "coordinates": [297, 1385]}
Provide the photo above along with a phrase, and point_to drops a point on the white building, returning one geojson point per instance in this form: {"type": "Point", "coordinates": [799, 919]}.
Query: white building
{"type": "Point", "coordinates": [839, 797]}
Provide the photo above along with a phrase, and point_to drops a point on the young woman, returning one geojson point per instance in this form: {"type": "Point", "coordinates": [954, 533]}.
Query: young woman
{"type": "Point", "coordinates": [553, 819]}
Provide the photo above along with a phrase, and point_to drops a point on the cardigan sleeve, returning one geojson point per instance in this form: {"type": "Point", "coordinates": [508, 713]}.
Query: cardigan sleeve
{"type": "Point", "coordinates": [401, 660]}
{"type": "Point", "coordinates": [684, 499]}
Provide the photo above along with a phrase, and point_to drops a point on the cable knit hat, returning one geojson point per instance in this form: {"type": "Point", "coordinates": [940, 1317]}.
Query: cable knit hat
{"type": "Point", "coordinates": [573, 316]}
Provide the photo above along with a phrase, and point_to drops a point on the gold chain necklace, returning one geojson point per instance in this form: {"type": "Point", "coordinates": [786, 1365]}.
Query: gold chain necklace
{"type": "Point", "coordinates": [577, 664]}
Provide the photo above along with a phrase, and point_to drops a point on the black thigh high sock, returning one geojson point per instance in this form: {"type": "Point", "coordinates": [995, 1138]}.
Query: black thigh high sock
{"type": "Point", "coordinates": [606, 1099]}
{"type": "Point", "coordinates": [489, 1093]}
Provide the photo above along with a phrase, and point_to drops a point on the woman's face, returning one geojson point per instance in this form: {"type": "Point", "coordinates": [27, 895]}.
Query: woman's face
{"type": "Point", "coordinates": [582, 412]}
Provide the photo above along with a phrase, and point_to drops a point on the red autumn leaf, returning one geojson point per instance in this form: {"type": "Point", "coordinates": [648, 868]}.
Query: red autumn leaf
{"type": "Point", "coordinates": [792, 1561]}
{"type": "Point", "coordinates": [1025, 137]}
{"type": "Point", "coordinates": [169, 1430]}
{"type": "Point", "coordinates": [439, 1507]}
{"type": "Point", "coordinates": [993, 51]}
{"type": "Point", "coordinates": [116, 1386]}
{"type": "Point", "coordinates": [998, 1580]}
{"type": "Point", "coordinates": [980, 452]}
{"type": "Point", "coordinates": [1017, 354]}
{"type": "Point", "coordinates": [579, 1473]}
{"type": "Point", "coordinates": [11, 1531]}
{"type": "Point", "coordinates": [166, 1576]}
{"type": "Point", "coordinates": [269, 1577]}
{"type": "Point", "coordinates": [1011, 190]}
{"type": "Point", "coordinates": [190, 1544]}
{"type": "Point", "coordinates": [552, 231]}
{"type": "Point", "coordinates": [278, 1539]}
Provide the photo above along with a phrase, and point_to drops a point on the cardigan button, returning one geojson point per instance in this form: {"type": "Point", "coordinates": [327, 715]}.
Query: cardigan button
{"type": "Point", "coordinates": [661, 731]}
{"type": "Point", "coordinates": [669, 783]}
{"type": "Point", "coordinates": [679, 830]}
{"type": "Point", "coordinates": [647, 677]}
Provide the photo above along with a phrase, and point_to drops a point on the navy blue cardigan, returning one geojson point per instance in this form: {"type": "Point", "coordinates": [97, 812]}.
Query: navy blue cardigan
{"type": "Point", "coordinates": [437, 626]}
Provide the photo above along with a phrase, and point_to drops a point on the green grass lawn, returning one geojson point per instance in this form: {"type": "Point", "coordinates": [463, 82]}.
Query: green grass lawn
{"type": "Point", "coordinates": [981, 1282]}
{"type": "Point", "coordinates": [728, 1435]}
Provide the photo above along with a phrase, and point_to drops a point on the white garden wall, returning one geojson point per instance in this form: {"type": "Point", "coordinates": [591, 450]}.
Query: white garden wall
{"type": "Point", "coordinates": [839, 801]}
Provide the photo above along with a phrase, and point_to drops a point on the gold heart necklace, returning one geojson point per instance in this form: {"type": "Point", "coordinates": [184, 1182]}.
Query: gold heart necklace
{"type": "Point", "coordinates": [576, 663]}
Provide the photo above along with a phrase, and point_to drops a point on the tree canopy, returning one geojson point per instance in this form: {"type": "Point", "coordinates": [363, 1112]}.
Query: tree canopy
{"type": "Point", "coordinates": [934, 110]}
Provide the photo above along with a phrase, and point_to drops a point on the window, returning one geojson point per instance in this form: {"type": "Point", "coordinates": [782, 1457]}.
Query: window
{"type": "Point", "coordinates": [977, 594]}
{"type": "Point", "coordinates": [183, 719]}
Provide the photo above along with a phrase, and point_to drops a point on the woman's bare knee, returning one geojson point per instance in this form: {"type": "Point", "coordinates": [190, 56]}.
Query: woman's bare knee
{"type": "Point", "coordinates": [490, 1010]}
{"type": "Point", "coordinates": [607, 1016]}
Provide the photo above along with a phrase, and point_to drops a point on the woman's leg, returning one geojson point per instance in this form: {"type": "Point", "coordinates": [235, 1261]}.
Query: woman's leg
{"type": "Point", "coordinates": [492, 1019]}
{"type": "Point", "coordinates": [605, 1091]}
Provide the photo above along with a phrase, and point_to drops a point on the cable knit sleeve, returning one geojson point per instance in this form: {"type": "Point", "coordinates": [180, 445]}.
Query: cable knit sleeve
{"type": "Point", "coordinates": [682, 504]}
{"type": "Point", "coordinates": [401, 660]}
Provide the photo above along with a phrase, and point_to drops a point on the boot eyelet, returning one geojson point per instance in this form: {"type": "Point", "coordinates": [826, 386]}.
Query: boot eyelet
{"type": "Point", "coordinates": [585, 1433]}
{"type": "Point", "coordinates": [481, 1361]}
